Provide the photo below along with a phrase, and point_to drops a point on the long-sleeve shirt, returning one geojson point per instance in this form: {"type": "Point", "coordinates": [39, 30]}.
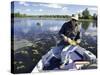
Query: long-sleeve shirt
{"type": "Point", "coordinates": [70, 31]}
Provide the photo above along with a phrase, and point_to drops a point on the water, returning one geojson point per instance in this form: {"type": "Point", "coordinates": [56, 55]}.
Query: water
{"type": "Point", "coordinates": [33, 38]}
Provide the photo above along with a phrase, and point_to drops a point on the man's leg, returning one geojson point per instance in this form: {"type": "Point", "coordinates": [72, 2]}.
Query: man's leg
{"type": "Point", "coordinates": [66, 54]}
{"type": "Point", "coordinates": [57, 51]}
{"type": "Point", "coordinates": [55, 61]}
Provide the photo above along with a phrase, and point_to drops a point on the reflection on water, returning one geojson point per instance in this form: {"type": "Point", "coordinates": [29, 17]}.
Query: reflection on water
{"type": "Point", "coordinates": [33, 38]}
{"type": "Point", "coordinates": [85, 25]}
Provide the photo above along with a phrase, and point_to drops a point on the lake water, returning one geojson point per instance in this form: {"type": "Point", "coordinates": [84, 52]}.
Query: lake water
{"type": "Point", "coordinates": [33, 38]}
{"type": "Point", "coordinates": [25, 26]}
{"type": "Point", "coordinates": [30, 29]}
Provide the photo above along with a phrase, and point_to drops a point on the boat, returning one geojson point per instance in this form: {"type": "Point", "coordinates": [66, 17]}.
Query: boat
{"type": "Point", "coordinates": [77, 58]}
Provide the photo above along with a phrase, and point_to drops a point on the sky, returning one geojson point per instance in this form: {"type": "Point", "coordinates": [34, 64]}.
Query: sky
{"type": "Point", "coordinates": [33, 8]}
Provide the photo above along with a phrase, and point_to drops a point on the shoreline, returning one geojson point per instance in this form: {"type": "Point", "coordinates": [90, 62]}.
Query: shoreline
{"type": "Point", "coordinates": [54, 18]}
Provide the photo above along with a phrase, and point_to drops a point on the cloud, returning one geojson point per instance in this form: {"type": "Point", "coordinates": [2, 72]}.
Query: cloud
{"type": "Point", "coordinates": [93, 8]}
{"type": "Point", "coordinates": [24, 3]}
{"type": "Point", "coordinates": [35, 4]}
{"type": "Point", "coordinates": [40, 10]}
{"type": "Point", "coordinates": [37, 10]}
{"type": "Point", "coordinates": [65, 8]}
{"type": "Point", "coordinates": [28, 10]}
{"type": "Point", "coordinates": [54, 6]}
{"type": "Point", "coordinates": [17, 9]}
{"type": "Point", "coordinates": [80, 11]}
{"type": "Point", "coordinates": [51, 5]}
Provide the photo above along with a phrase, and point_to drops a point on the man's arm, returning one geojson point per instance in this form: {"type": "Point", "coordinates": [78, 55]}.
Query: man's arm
{"type": "Point", "coordinates": [65, 38]}
{"type": "Point", "coordinates": [78, 37]}
{"type": "Point", "coordinates": [62, 32]}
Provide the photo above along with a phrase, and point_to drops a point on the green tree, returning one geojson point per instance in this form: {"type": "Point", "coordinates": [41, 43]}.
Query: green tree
{"type": "Point", "coordinates": [95, 16]}
{"type": "Point", "coordinates": [17, 14]}
{"type": "Point", "coordinates": [86, 14]}
{"type": "Point", "coordinates": [79, 15]}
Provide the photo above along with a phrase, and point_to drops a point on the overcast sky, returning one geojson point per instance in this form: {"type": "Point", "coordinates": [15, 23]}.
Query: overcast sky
{"type": "Point", "coordinates": [33, 8]}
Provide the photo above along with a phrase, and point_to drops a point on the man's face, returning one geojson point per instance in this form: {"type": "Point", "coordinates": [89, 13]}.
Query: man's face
{"type": "Point", "coordinates": [74, 22]}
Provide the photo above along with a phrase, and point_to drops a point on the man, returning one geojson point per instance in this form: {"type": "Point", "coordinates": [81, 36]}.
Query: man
{"type": "Point", "coordinates": [70, 35]}
{"type": "Point", "coordinates": [70, 32]}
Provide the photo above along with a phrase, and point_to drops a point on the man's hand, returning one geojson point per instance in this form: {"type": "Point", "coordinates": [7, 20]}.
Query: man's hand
{"type": "Point", "coordinates": [64, 37]}
{"type": "Point", "coordinates": [78, 41]}
{"type": "Point", "coordinates": [72, 42]}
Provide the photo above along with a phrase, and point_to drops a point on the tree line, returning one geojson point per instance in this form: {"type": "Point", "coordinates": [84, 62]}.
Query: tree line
{"type": "Point", "coordinates": [85, 14]}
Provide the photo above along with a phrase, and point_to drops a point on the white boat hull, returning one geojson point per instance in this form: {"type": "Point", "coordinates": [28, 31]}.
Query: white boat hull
{"type": "Point", "coordinates": [79, 56]}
